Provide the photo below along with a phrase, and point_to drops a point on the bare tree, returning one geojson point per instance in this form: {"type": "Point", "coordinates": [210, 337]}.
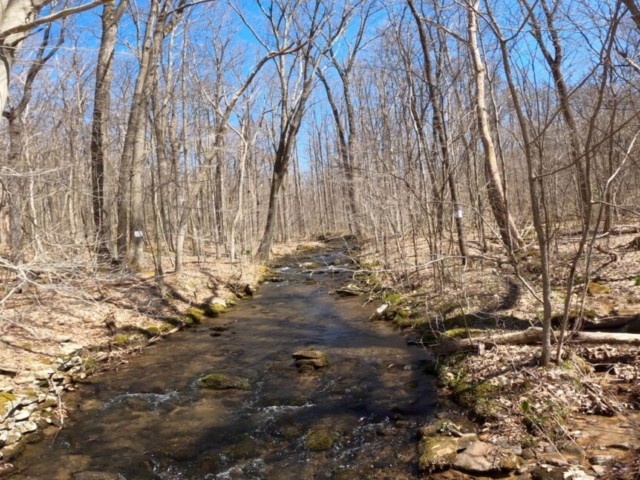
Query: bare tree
{"type": "Point", "coordinates": [104, 70]}
{"type": "Point", "coordinates": [14, 115]}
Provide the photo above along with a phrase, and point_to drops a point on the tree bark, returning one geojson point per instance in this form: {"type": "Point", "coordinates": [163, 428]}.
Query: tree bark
{"type": "Point", "coordinates": [439, 131]}
{"type": "Point", "coordinates": [110, 18]}
{"type": "Point", "coordinates": [532, 336]}
{"type": "Point", "coordinates": [508, 231]}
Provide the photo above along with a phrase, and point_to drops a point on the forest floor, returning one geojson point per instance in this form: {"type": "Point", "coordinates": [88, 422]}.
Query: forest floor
{"type": "Point", "coordinates": [576, 419]}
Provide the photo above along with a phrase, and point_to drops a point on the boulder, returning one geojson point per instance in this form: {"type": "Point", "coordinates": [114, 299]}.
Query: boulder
{"type": "Point", "coordinates": [215, 307]}
{"type": "Point", "coordinates": [481, 457]}
{"type": "Point", "coordinates": [437, 453]}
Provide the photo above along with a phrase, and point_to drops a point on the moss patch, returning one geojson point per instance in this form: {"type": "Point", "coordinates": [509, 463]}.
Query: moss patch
{"type": "Point", "coordinates": [195, 315]}
{"type": "Point", "coordinates": [437, 453]}
{"type": "Point", "coordinates": [320, 439]}
{"type": "Point", "coordinates": [220, 381]}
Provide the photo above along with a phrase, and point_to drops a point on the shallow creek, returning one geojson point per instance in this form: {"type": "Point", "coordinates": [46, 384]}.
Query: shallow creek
{"type": "Point", "coordinates": [148, 420]}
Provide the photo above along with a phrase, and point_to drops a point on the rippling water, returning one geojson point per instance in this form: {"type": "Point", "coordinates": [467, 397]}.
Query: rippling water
{"type": "Point", "coordinates": [149, 421]}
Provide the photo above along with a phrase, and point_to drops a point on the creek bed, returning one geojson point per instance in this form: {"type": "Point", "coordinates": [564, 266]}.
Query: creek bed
{"type": "Point", "coordinates": [355, 418]}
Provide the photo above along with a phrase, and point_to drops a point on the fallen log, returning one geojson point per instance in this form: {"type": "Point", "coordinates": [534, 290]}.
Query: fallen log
{"type": "Point", "coordinates": [532, 336]}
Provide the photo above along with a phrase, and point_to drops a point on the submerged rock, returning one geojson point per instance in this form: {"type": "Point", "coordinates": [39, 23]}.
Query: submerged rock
{"type": "Point", "coordinates": [320, 439]}
{"type": "Point", "coordinates": [95, 476]}
{"type": "Point", "coordinates": [221, 381]}
{"type": "Point", "coordinates": [310, 358]}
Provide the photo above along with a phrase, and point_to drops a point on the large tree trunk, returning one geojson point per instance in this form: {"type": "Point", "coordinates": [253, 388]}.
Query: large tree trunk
{"type": "Point", "coordinates": [16, 185]}
{"type": "Point", "coordinates": [13, 13]}
{"type": "Point", "coordinates": [110, 19]}
{"type": "Point", "coordinates": [508, 231]}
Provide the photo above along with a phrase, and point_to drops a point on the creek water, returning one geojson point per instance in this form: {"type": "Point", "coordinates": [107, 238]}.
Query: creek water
{"type": "Point", "coordinates": [148, 419]}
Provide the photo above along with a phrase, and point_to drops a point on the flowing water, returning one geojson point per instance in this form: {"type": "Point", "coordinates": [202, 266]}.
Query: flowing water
{"type": "Point", "coordinates": [148, 420]}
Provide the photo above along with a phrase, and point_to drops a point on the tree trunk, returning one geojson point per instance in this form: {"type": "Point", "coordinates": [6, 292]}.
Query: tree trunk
{"type": "Point", "coordinates": [508, 231]}
{"type": "Point", "coordinates": [104, 69]}
{"type": "Point", "coordinates": [439, 132]}
{"type": "Point", "coordinates": [532, 336]}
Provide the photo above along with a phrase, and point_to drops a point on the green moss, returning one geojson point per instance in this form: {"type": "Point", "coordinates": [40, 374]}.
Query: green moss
{"type": "Point", "coordinates": [320, 439]}
{"type": "Point", "coordinates": [90, 366]}
{"type": "Point", "coordinates": [122, 340]}
{"type": "Point", "coordinates": [391, 298]}
{"type": "Point", "coordinates": [263, 272]}
{"type": "Point", "coordinates": [220, 381]}
{"type": "Point", "coordinates": [214, 309]}
{"type": "Point", "coordinates": [6, 397]}
{"type": "Point", "coordinates": [195, 314]}
{"type": "Point", "coordinates": [456, 333]}
{"type": "Point", "coordinates": [437, 453]}
{"type": "Point", "coordinates": [291, 431]}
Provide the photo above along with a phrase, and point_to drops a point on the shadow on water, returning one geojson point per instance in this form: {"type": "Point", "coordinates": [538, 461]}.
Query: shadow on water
{"type": "Point", "coordinates": [148, 420]}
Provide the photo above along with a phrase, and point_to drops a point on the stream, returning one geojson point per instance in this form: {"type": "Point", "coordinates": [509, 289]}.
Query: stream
{"type": "Point", "coordinates": [148, 419]}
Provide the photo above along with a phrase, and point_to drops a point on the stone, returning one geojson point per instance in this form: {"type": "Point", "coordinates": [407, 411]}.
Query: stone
{"type": "Point", "coordinates": [43, 374]}
{"type": "Point", "coordinates": [602, 459]}
{"type": "Point", "coordinates": [480, 457]}
{"type": "Point", "coordinates": [314, 358]}
{"type": "Point", "coordinates": [621, 446]}
{"type": "Point", "coordinates": [69, 349]}
{"type": "Point", "coordinates": [599, 469]}
{"type": "Point", "coordinates": [21, 415]}
{"type": "Point", "coordinates": [320, 439]}
{"type": "Point", "coordinates": [11, 452]}
{"type": "Point", "coordinates": [49, 401]}
{"type": "Point", "coordinates": [573, 449]}
{"type": "Point", "coordinates": [8, 403]}
{"type": "Point", "coordinates": [13, 436]}
{"type": "Point", "coordinates": [26, 427]}
{"type": "Point", "coordinates": [215, 307]}
{"type": "Point", "coordinates": [466, 439]}
{"type": "Point", "coordinates": [220, 381]}
{"type": "Point", "coordinates": [437, 453]}
{"type": "Point", "coordinates": [95, 476]}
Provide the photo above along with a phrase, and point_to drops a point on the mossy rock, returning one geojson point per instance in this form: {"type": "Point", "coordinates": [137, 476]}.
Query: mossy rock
{"type": "Point", "coordinates": [291, 431]}
{"type": "Point", "coordinates": [6, 397]}
{"type": "Point", "coordinates": [195, 314]}
{"type": "Point", "coordinates": [11, 452]}
{"type": "Point", "coordinates": [437, 453]}
{"type": "Point", "coordinates": [154, 331]}
{"type": "Point", "coordinates": [263, 272]}
{"type": "Point", "coordinates": [122, 340]}
{"type": "Point", "coordinates": [221, 381]}
{"type": "Point", "coordinates": [320, 439]}
{"type": "Point", "coordinates": [215, 308]}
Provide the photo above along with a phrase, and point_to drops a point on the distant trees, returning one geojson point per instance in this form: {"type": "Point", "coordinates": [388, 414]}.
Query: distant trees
{"type": "Point", "coordinates": [183, 128]}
